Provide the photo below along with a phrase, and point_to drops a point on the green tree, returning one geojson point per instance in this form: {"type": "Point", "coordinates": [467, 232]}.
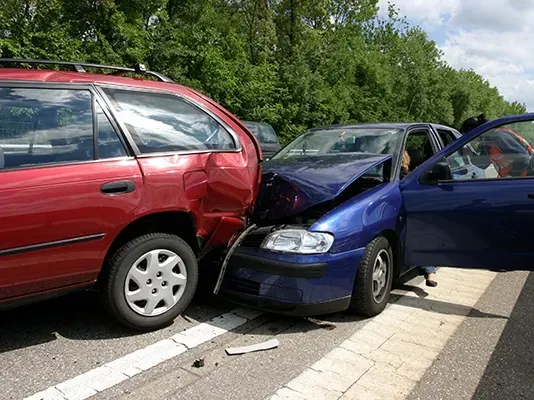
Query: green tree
{"type": "Point", "coordinates": [292, 63]}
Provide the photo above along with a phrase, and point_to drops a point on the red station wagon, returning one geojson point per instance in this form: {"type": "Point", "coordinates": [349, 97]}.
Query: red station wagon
{"type": "Point", "coordinates": [117, 182]}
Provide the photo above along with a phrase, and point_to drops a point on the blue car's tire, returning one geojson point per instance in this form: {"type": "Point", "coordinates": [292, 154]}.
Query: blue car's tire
{"type": "Point", "coordinates": [374, 278]}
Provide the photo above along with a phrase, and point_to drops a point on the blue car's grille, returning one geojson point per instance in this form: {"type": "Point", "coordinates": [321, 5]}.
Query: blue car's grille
{"type": "Point", "coordinates": [241, 285]}
{"type": "Point", "coordinates": [255, 239]}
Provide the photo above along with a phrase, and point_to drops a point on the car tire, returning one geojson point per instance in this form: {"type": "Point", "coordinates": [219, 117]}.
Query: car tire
{"type": "Point", "coordinates": [371, 291]}
{"type": "Point", "coordinates": [142, 288]}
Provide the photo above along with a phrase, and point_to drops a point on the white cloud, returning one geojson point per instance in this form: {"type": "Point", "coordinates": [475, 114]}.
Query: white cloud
{"type": "Point", "coordinates": [495, 15]}
{"type": "Point", "coordinates": [493, 37]}
{"type": "Point", "coordinates": [426, 12]}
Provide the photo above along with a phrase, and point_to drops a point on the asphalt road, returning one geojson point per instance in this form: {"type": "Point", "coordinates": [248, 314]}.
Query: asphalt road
{"type": "Point", "coordinates": [489, 356]}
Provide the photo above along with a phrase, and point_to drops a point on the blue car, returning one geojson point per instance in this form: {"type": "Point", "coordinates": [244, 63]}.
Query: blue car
{"type": "Point", "coordinates": [338, 219]}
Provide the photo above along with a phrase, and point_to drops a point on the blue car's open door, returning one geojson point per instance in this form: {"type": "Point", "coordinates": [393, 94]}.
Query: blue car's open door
{"type": "Point", "coordinates": [472, 204]}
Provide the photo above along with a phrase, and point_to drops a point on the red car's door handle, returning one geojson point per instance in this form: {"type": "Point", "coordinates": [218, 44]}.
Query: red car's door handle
{"type": "Point", "coordinates": [118, 187]}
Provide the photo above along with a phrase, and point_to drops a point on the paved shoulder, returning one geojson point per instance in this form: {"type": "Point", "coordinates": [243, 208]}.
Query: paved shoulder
{"type": "Point", "coordinates": [388, 356]}
{"type": "Point", "coordinates": [491, 355]}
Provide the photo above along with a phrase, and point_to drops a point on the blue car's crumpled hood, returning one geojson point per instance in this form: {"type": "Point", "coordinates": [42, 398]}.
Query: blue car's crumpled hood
{"type": "Point", "coordinates": [291, 185]}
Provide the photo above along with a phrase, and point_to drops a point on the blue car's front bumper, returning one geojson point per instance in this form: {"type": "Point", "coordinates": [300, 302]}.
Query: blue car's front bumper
{"type": "Point", "coordinates": [291, 284]}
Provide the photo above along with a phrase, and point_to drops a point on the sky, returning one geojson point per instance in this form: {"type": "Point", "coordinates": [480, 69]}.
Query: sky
{"type": "Point", "coordinates": [495, 38]}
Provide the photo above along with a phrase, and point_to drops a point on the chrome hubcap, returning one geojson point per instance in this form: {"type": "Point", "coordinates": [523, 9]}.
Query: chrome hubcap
{"type": "Point", "coordinates": [155, 282]}
{"type": "Point", "coordinates": [380, 275]}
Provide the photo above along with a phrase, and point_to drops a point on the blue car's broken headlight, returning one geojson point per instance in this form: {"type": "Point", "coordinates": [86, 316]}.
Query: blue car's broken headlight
{"type": "Point", "coordinates": [298, 241]}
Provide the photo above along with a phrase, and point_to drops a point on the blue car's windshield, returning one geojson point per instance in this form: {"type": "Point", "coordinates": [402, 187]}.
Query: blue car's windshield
{"type": "Point", "coordinates": [344, 140]}
{"type": "Point", "coordinates": [353, 140]}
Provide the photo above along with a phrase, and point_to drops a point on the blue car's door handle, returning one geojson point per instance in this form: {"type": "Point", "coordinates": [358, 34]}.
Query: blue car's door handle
{"type": "Point", "coordinates": [531, 196]}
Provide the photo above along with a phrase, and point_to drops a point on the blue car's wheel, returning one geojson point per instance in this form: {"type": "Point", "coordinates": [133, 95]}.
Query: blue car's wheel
{"type": "Point", "coordinates": [374, 278]}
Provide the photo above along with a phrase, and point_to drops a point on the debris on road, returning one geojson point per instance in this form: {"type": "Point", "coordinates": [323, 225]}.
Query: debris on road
{"type": "Point", "coordinates": [328, 327]}
{"type": "Point", "coordinates": [198, 363]}
{"type": "Point", "coordinates": [322, 324]}
{"type": "Point", "coordinates": [268, 345]}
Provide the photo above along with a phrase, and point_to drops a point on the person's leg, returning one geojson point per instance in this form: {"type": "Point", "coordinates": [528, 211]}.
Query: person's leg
{"type": "Point", "coordinates": [429, 273]}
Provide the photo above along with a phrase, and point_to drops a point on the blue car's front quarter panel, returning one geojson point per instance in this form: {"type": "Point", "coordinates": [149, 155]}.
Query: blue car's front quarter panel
{"type": "Point", "coordinates": [357, 221]}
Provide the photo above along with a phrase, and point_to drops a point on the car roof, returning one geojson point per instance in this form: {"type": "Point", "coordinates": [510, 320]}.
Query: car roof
{"type": "Point", "coordinates": [381, 125]}
{"type": "Point", "coordinates": [48, 75]}
{"type": "Point", "coordinates": [440, 126]}
{"type": "Point", "coordinates": [384, 125]}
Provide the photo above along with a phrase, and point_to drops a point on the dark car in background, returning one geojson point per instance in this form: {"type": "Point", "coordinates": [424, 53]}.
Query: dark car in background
{"type": "Point", "coordinates": [267, 137]}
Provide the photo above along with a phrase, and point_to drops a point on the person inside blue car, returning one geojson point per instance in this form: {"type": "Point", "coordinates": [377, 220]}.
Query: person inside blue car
{"type": "Point", "coordinates": [510, 153]}
{"type": "Point", "coordinates": [473, 122]}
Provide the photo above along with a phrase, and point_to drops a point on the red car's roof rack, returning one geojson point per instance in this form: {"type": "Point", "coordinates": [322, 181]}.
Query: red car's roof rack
{"type": "Point", "coordinates": [80, 67]}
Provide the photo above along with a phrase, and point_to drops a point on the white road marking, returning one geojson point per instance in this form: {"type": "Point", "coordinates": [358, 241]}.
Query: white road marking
{"type": "Point", "coordinates": [96, 380]}
{"type": "Point", "coordinates": [387, 357]}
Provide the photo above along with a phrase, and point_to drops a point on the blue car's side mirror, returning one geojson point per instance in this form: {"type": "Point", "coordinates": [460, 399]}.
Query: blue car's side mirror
{"type": "Point", "coordinates": [441, 171]}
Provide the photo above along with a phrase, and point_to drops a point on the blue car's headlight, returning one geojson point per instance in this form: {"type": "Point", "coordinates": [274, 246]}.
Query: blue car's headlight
{"type": "Point", "coordinates": [298, 241]}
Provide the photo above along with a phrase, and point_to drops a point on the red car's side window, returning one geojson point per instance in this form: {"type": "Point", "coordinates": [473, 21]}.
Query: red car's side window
{"type": "Point", "coordinates": [45, 126]}
{"type": "Point", "coordinates": [160, 122]}
{"type": "Point", "coordinates": [109, 144]}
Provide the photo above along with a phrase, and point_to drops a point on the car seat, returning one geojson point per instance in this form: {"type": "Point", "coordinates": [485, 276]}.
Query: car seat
{"type": "Point", "coordinates": [416, 158]}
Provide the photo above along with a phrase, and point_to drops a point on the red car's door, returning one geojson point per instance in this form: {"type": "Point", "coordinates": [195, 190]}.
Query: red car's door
{"type": "Point", "coordinates": [66, 181]}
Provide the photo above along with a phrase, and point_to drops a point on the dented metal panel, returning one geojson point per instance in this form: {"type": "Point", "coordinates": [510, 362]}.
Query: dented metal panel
{"type": "Point", "coordinates": [293, 185]}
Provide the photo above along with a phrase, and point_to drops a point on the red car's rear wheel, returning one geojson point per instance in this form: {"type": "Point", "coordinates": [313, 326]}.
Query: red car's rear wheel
{"type": "Point", "coordinates": [150, 280]}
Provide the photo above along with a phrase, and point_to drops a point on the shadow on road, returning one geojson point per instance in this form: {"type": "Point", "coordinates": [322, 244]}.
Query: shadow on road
{"type": "Point", "coordinates": [441, 307]}
{"type": "Point", "coordinates": [510, 371]}
{"type": "Point", "coordinates": [80, 316]}
{"type": "Point", "coordinates": [421, 293]}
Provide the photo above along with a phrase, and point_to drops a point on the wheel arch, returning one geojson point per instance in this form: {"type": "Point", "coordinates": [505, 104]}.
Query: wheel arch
{"type": "Point", "coordinates": [179, 223]}
{"type": "Point", "coordinates": [395, 242]}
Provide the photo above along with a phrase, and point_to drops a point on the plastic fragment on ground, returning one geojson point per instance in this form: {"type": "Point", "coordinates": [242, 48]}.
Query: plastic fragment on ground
{"type": "Point", "coordinates": [268, 345]}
